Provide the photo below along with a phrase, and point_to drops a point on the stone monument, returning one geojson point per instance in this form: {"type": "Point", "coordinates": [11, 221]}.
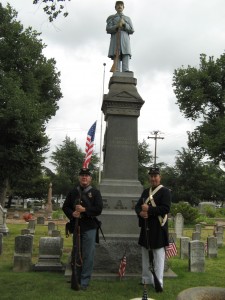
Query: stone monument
{"type": "Point", "coordinates": [49, 202]}
{"type": "Point", "coordinates": [3, 227]}
{"type": "Point", "coordinates": [120, 187]}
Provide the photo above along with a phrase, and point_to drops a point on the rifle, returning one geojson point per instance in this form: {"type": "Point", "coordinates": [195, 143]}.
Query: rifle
{"type": "Point", "coordinates": [157, 284]}
{"type": "Point", "coordinates": [76, 260]}
{"type": "Point", "coordinates": [116, 58]}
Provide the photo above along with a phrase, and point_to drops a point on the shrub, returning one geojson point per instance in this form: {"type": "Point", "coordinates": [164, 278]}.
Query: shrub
{"type": "Point", "coordinates": [189, 213]}
{"type": "Point", "coordinates": [210, 211]}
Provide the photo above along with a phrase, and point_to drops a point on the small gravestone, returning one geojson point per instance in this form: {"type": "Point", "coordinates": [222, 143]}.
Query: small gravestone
{"type": "Point", "coordinates": [25, 231]}
{"type": "Point", "coordinates": [50, 252]}
{"type": "Point", "coordinates": [16, 215]}
{"type": "Point", "coordinates": [51, 226]}
{"type": "Point", "coordinates": [184, 247]}
{"type": "Point", "coordinates": [202, 206]}
{"type": "Point", "coordinates": [56, 233]}
{"type": "Point", "coordinates": [22, 261]}
{"type": "Point", "coordinates": [40, 220]}
{"type": "Point", "coordinates": [25, 204]}
{"type": "Point", "coordinates": [179, 225]}
{"type": "Point", "coordinates": [219, 236]}
{"type": "Point", "coordinates": [1, 243]}
{"type": "Point", "coordinates": [212, 247]}
{"type": "Point", "coordinates": [3, 227]}
{"type": "Point", "coordinates": [220, 228]}
{"type": "Point", "coordinates": [198, 228]}
{"type": "Point", "coordinates": [173, 236]}
{"type": "Point", "coordinates": [31, 226]}
{"type": "Point", "coordinates": [196, 236]}
{"type": "Point", "coordinates": [196, 256]}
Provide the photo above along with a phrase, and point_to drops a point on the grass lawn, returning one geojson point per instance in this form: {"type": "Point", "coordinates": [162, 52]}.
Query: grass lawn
{"type": "Point", "coordinates": [46, 285]}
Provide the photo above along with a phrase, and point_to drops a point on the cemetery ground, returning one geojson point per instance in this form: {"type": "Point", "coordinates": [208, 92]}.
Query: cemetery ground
{"type": "Point", "coordinates": [53, 285]}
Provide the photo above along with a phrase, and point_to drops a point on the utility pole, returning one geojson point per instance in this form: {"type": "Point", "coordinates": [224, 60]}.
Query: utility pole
{"type": "Point", "coordinates": [155, 137]}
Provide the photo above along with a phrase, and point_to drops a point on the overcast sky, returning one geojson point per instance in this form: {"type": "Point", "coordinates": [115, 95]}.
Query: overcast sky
{"type": "Point", "coordinates": [168, 34]}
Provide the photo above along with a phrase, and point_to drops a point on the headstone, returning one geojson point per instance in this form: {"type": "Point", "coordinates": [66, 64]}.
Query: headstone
{"type": "Point", "coordinates": [184, 247]}
{"type": "Point", "coordinates": [196, 256]}
{"type": "Point", "coordinates": [50, 252]}
{"type": "Point", "coordinates": [219, 236]}
{"type": "Point", "coordinates": [31, 226]}
{"type": "Point", "coordinates": [56, 233]}
{"type": "Point", "coordinates": [16, 215]}
{"type": "Point", "coordinates": [179, 225]}
{"type": "Point", "coordinates": [202, 206]}
{"type": "Point", "coordinates": [40, 220]}
{"type": "Point", "coordinates": [25, 204]}
{"type": "Point", "coordinates": [3, 227]}
{"type": "Point", "coordinates": [1, 243]}
{"type": "Point", "coordinates": [212, 247]}
{"type": "Point", "coordinates": [198, 228]}
{"type": "Point", "coordinates": [196, 235]}
{"type": "Point", "coordinates": [22, 261]}
{"type": "Point", "coordinates": [202, 293]}
{"type": "Point", "coordinates": [220, 228]}
{"type": "Point", "coordinates": [25, 231]}
{"type": "Point", "coordinates": [51, 226]}
{"type": "Point", "coordinates": [173, 236]}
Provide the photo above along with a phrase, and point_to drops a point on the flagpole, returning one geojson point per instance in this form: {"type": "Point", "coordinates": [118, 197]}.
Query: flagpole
{"type": "Point", "coordinates": [100, 160]}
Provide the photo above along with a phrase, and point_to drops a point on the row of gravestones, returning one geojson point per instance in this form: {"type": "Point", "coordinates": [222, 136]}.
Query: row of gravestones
{"type": "Point", "coordinates": [195, 249]}
{"type": "Point", "coordinates": [52, 231]}
{"type": "Point", "coordinates": [50, 253]}
{"type": "Point", "coordinates": [50, 248]}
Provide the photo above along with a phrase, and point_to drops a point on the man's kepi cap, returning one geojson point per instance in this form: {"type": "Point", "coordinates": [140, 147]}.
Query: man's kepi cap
{"type": "Point", "coordinates": [85, 171]}
{"type": "Point", "coordinates": [154, 171]}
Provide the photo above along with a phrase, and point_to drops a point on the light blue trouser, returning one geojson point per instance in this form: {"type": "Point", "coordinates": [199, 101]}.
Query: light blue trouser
{"type": "Point", "coordinates": [159, 260]}
{"type": "Point", "coordinates": [87, 252]}
{"type": "Point", "coordinates": [125, 63]}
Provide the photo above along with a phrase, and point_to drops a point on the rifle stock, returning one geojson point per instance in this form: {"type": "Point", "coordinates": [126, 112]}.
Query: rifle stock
{"type": "Point", "coordinates": [76, 236]}
{"type": "Point", "coordinates": [116, 58]}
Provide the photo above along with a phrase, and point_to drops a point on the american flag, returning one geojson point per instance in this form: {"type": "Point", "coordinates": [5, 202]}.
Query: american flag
{"type": "Point", "coordinates": [89, 145]}
{"type": "Point", "coordinates": [122, 266]}
{"type": "Point", "coordinates": [171, 250]}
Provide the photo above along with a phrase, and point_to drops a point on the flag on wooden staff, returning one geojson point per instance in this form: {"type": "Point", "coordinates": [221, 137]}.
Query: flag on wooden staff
{"type": "Point", "coordinates": [122, 266]}
{"type": "Point", "coordinates": [89, 145]}
{"type": "Point", "coordinates": [171, 250]}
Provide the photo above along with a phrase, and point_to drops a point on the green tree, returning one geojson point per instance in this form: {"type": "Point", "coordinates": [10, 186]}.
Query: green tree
{"type": "Point", "coordinates": [53, 8]}
{"type": "Point", "coordinates": [200, 96]}
{"type": "Point", "coordinates": [29, 91]}
{"type": "Point", "coordinates": [145, 159]}
{"type": "Point", "coordinates": [68, 159]}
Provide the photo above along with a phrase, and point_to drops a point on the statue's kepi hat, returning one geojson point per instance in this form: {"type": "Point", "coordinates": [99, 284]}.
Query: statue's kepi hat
{"type": "Point", "coordinates": [119, 2]}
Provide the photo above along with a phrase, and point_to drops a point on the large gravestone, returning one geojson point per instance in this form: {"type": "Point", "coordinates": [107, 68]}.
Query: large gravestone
{"type": "Point", "coordinates": [119, 186]}
{"type": "Point", "coordinates": [196, 256]}
{"type": "Point", "coordinates": [31, 226]}
{"type": "Point", "coordinates": [50, 253]}
{"type": "Point", "coordinates": [179, 225]}
{"type": "Point", "coordinates": [184, 247]}
{"type": "Point", "coordinates": [212, 248]}
{"type": "Point", "coordinates": [3, 227]}
{"type": "Point", "coordinates": [22, 261]}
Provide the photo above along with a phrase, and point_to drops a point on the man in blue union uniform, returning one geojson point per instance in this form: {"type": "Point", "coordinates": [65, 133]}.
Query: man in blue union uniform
{"type": "Point", "coordinates": [84, 202]}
